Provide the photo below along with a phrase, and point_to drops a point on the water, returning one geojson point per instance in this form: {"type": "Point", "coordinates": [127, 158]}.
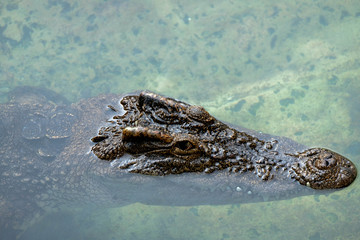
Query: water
{"type": "Point", "coordinates": [288, 68]}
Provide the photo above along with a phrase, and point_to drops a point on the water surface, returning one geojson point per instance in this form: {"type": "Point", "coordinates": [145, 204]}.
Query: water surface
{"type": "Point", "coordinates": [288, 68]}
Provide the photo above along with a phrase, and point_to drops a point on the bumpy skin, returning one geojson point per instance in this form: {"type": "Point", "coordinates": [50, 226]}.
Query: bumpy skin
{"type": "Point", "coordinates": [47, 160]}
{"type": "Point", "coordinates": [177, 137]}
{"type": "Point", "coordinates": [44, 155]}
{"type": "Point", "coordinates": [30, 142]}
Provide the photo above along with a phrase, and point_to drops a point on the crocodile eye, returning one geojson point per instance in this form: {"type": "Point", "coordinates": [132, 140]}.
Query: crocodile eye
{"type": "Point", "coordinates": [184, 147]}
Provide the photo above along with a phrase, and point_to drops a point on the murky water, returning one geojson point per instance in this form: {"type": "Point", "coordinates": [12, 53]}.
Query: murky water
{"type": "Point", "coordinates": [289, 68]}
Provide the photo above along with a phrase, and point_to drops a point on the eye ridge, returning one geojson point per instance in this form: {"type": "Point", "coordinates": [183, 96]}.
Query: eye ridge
{"type": "Point", "coordinates": [163, 115]}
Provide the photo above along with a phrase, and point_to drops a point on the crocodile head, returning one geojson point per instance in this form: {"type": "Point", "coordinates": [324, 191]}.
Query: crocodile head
{"type": "Point", "coordinates": [160, 136]}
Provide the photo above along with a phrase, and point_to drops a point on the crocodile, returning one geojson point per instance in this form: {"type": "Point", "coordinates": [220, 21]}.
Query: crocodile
{"type": "Point", "coordinates": [112, 150]}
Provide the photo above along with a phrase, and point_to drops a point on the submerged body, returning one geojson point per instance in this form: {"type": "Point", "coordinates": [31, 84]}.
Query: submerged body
{"type": "Point", "coordinates": [149, 149]}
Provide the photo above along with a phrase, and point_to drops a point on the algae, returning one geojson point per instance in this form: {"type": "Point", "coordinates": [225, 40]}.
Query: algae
{"type": "Point", "coordinates": [288, 68]}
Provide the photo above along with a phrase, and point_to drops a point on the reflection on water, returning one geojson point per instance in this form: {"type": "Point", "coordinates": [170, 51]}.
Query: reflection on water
{"type": "Point", "coordinates": [288, 68]}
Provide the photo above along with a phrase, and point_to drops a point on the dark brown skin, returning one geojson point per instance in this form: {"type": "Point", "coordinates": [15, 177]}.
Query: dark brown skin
{"type": "Point", "coordinates": [160, 151]}
{"type": "Point", "coordinates": [321, 168]}
{"type": "Point", "coordinates": [177, 137]}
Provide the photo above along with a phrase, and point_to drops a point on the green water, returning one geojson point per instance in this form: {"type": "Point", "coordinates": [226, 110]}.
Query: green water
{"type": "Point", "coordinates": [288, 68]}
